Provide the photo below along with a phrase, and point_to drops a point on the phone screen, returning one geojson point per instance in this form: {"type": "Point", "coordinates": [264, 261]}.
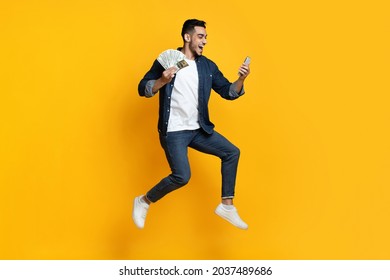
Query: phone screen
{"type": "Point", "coordinates": [247, 60]}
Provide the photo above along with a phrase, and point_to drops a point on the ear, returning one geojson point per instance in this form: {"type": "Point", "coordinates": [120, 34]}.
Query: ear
{"type": "Point", "coordinates": [187, 37]}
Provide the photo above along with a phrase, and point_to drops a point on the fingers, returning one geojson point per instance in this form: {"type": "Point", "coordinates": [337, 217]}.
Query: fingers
{"type": "Point", "coordinates": [169, 74]}
{"type": "Point", "coordinates": [172, 69]}
{"type": "Point", "coordinates": [244, 70]}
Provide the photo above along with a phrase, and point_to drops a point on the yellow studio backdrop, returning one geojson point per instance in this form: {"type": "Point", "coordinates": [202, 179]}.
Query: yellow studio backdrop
{"type": "Point", "coordinates": [78, 143]}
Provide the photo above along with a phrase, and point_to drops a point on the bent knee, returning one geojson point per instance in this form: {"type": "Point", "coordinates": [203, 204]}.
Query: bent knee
{"type": "Point", "coordinates": [235, 152]}
{"type": "Point", "coordinates": [181, 179]}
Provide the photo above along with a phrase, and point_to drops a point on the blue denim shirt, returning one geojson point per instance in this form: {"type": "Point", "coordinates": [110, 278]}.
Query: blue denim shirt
{"type": "Point", "coordinates": [209, 78]}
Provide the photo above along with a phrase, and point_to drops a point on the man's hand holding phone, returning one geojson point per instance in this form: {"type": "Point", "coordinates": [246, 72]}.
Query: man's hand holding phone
{"type": "Point", "coordinates": [244, 69]}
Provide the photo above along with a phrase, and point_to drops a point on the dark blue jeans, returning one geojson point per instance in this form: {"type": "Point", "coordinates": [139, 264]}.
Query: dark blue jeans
{"type": "Point", "coordinates": [176, 144]}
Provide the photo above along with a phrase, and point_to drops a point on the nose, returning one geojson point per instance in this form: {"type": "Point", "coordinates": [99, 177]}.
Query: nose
{"type": "Point", "coordinates": [204, 41]}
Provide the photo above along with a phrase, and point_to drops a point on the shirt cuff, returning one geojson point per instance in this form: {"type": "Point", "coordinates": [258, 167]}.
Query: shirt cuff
{"type": "Point", "coordinates": [149, 88]}
{"type": "Point", "coordinates": [233, 93]}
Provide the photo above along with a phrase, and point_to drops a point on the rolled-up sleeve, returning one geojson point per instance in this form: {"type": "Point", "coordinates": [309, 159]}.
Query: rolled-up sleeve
{"type": "Point", "coordinates": [233, 93]}
{"type": "Point", "coordinates": [149, 88]}
{"type": "Point", "coordinates": [145, 86]}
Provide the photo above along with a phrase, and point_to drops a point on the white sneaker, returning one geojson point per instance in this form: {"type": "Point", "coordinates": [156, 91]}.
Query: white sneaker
{"type": "Point", "coordinates": [140, 209]}
{"type": "Point", "coordinates": [231, 216]}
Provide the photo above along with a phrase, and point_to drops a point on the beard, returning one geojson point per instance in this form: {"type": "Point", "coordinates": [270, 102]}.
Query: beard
{"type": "Point", "coordinates": [196, 49]}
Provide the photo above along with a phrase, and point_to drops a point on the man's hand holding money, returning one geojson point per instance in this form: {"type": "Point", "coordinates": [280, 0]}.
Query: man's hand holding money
{"type": "Point", "coordinates": [165, 78]}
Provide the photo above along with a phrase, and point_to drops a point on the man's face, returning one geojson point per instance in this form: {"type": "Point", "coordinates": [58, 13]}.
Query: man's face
{"type": "Point", "coordinates": [198, 40]}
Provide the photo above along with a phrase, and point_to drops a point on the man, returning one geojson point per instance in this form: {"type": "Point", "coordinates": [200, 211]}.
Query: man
{"type": "Point", "coordinates": [184, 121]}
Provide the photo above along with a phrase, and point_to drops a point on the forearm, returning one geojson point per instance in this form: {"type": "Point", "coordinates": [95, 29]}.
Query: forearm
{"type": "Point", "coordinates": [149, 88]}
{"type": "Point", "coordinates": [165, 78]}
{"type": "Point", "coordinates": [236, 89]}
{"type": "Point", "coordinates": [238, 85]}
{"type": "Point", "coordinates": [151, 82]}
{"type": "Point", "coordinates": [158, 84]}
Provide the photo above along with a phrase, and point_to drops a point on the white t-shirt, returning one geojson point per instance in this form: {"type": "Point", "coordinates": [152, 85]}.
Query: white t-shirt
{"type": "Point", "coordinates": [184, 113]}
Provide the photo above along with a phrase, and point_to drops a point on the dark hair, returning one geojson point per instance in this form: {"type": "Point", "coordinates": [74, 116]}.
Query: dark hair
{"type": "Point", "coordinates": [189, 26]}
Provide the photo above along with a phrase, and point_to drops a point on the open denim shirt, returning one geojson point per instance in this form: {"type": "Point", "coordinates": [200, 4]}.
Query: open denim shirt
{"type": "Point", "coordinates": [209, 78]}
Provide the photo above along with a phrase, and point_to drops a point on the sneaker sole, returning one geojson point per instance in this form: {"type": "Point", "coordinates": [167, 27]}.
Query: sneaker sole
{"type": "Point", "coordinates": [221, 214]}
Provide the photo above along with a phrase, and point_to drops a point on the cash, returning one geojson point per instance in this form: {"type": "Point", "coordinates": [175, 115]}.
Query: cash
{"type": "Point", "coordinates": [170, 58]}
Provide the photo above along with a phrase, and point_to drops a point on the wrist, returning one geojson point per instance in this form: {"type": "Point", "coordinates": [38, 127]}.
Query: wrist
{"type": "Point", "coordinates": [241, 80]}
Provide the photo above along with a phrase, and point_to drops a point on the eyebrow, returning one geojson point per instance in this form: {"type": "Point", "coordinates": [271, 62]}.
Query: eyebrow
{"type": "Point", "coordinates": [201, 35]}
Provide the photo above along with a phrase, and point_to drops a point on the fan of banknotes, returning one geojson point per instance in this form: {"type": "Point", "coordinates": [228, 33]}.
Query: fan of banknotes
{"type": "Point", "coordinates": [171, 58]}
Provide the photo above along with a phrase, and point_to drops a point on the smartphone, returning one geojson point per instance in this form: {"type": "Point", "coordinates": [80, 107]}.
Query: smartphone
{"type": "Point", "coordinates": [247, 60]}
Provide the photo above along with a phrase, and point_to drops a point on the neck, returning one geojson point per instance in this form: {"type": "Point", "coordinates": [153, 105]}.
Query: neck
{"type": "Point", "coordinates": [187, 52]}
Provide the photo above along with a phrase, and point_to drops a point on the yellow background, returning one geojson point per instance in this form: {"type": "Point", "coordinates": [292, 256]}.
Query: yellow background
{"type": "Point", "coordinates": [78, 143]}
